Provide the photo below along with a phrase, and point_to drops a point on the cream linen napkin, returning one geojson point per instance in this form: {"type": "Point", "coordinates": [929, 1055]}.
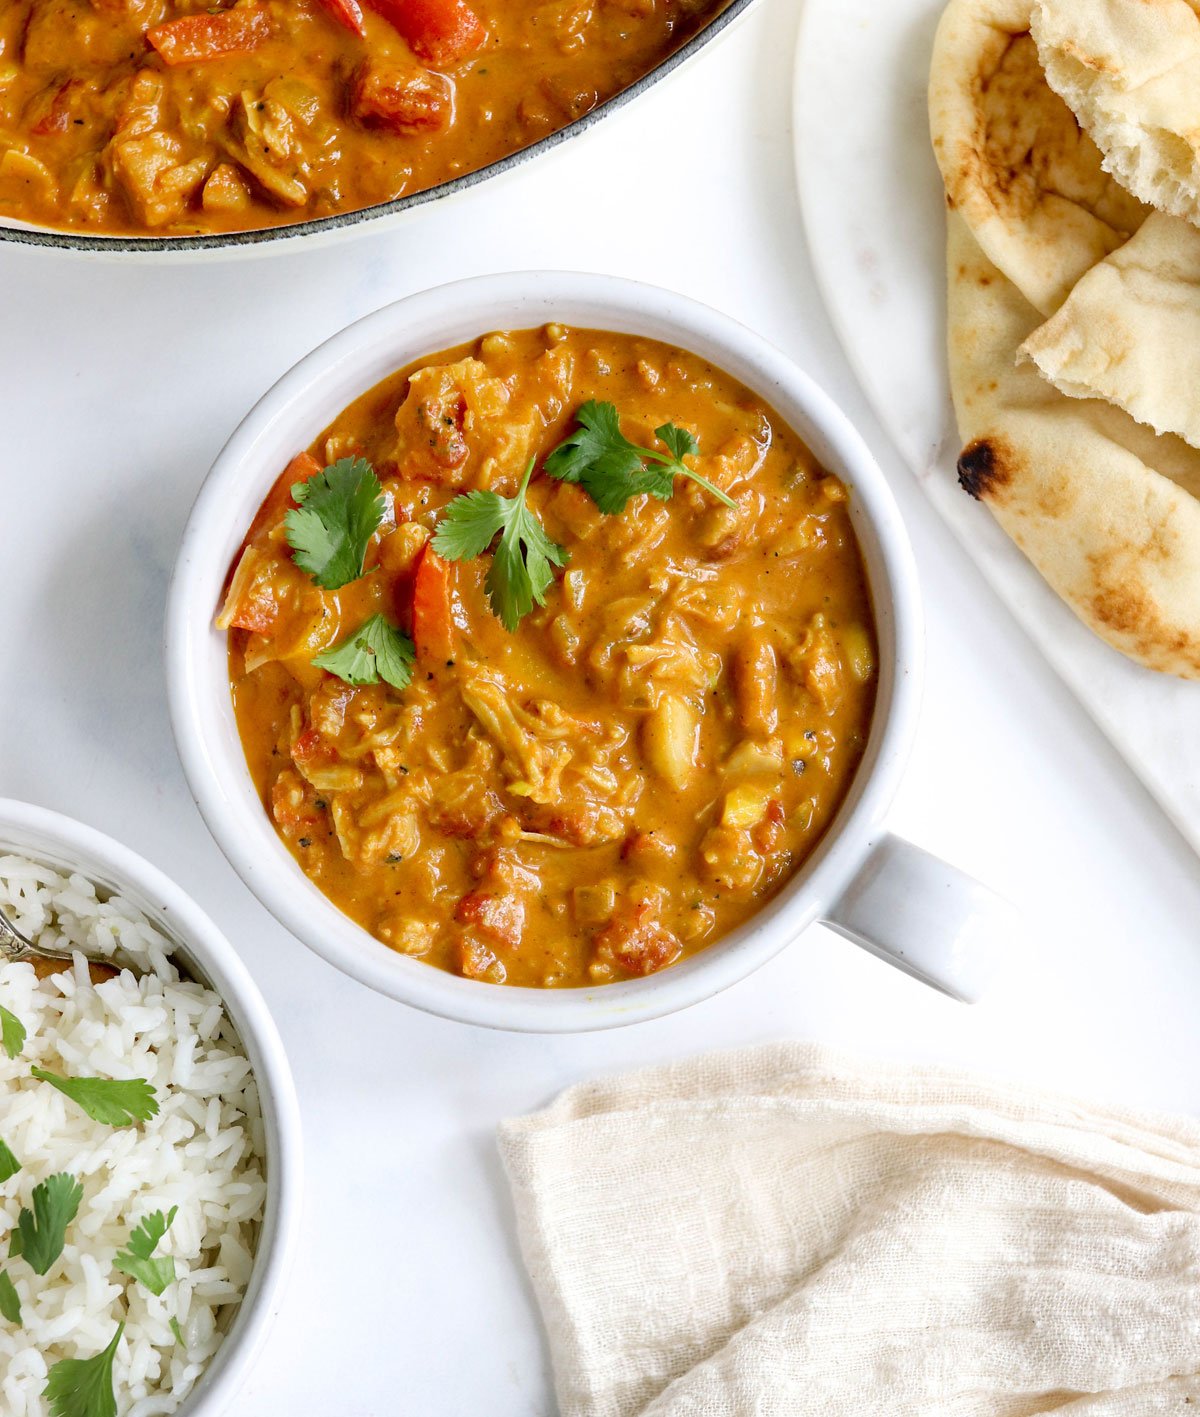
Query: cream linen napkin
{"type": "Point", "coordinates": [787, 1230]}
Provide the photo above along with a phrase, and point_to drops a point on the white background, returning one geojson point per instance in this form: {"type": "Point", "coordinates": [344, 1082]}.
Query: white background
{"type": "Point", "coordinates": [118, 385]}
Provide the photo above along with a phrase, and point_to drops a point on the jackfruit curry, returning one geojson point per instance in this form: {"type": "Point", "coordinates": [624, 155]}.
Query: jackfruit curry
{"type": "Point", "coordinates": [553, 657]}
{"type": "Point", "coordinates": [185, 117]}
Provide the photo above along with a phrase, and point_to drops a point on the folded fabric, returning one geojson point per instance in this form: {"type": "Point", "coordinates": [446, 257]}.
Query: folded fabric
{"type": "Point", "coordinates": [787, 1230]}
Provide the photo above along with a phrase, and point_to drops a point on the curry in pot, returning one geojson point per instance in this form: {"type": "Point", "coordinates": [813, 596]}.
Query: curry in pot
{"type": "Point", "coordinates": [553, 658]}
{"type": "Point", "coordinates": [183, 117]}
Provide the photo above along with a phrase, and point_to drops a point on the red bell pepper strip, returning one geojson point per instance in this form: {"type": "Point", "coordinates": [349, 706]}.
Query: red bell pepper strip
{"type": "Point", "coordinates": [347, 13]}
{"type": "Point", "coordinates": [258, 612]}
{"type": "Point", "coordinates": [279, 499]}
{"type": "Point", "coordinates": [439, 32]}
{"type": "Point", "coordinates": [195, 39]}
{"type": "Point", "coordinates": [432, 620]}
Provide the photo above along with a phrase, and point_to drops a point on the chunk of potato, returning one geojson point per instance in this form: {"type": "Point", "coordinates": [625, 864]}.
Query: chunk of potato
{"type": "Point", "coordinates": [24, 177]}
{"type": "Point", "coordinates": [670, 739]}
{"type": "Point", "coordinates": [751, 757]}
{"type": "Point", "coordinates": [398, 551]}
{"type": "Point", "coordinates": [858, 652]}
{"type": "Point", "coordinates": [745, 805]}
{"type": "Point", "coordinates": [225, 190]}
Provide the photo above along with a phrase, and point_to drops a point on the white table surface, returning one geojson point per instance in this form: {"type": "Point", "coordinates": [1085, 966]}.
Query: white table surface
{"type": "Point", "coordinates": [119, 385]}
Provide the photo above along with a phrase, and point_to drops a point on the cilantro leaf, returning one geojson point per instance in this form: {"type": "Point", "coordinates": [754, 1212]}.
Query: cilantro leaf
{"type": "Point", "coordinates": [597, 452]}
{"type": "Point", "coordinates": [14, 1245]}
{"type": "Point", "coordinates": [12, 1032]}
{"type": "Point", "coordinates": [339, 511]}
{"type": "Point", "coordinates": [9, 1165]}
{"type": "Point", "coordinates": [178, 1332]}
{"type": "Point", "coordinates": [611, 469]}
{"type": "Point", "coordinates": [523, 563]}
{"type": "Point", "coordinates": [681, 443]}
{"type": "Point", "coordinates": [10, 1300]}
{"type": "Point", "coordinates": [468, 526]}
{"type": "Point", "coordinates": [135, 1259]}
{"type": "Point", "coordinates": [114, 1102]}
{"type": "Point", "coordinates": [83, 1387]}
{"type": "Point", "coordinates": [44, 1229]}
{"type": "Point", "coordinates": [376, 650]}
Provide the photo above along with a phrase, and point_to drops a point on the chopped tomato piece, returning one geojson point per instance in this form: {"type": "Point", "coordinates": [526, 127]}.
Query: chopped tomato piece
{"type": "Point", "coordinates": [308, 746]}
{"type": "Point", "coordinates": [402, 100]}
{"type": "Point", "coordinates": [476, 961]}
{"type": "Point", "coordinates": [311, 753]}
{"type": "Point", "coordinates": [767, 833]}
{"type": "Point", "coordinates": [292, 803]}
{"type": "Point", "coordinates": [647, 846]}
{"type": "Point", "coordinates": [347, 13]}
{"type": "Point", "coordinates": [442, 420]}
{"type": "Point", "coordinates": [500, 917]}
{"type": "Point", "coordinates": [432, 620]}
{"type": "Point", "coordinates": [637, 942]}
{"type": "Point", "coordinates": [195, 39]}
{"type": "Point", "coordinates": [439, 32]}
{"type": "Point", "coordinates": [56, 117]}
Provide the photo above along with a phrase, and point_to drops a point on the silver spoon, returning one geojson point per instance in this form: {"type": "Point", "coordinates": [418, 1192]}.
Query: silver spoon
{"type": "Point", "coordinates": [16, 949]}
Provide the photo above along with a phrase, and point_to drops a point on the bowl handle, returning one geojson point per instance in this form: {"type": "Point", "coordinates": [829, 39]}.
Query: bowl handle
{"type": "Point", "coordinates": [927, 918]}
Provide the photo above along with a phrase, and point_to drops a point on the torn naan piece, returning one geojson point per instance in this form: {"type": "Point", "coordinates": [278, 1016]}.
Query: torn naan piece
{"type": "Point", "coordinates": [1130, 331]}
{"type": "Point", "coordinates": [1106, 510]}
{"type": "Point", "coordinates": [1028, 182]}
{"type": "Point", "coordinates": [1130, 70]}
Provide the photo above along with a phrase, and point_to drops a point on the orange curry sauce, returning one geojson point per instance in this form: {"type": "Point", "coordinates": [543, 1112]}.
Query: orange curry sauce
{"type": "Point", "coordinates": [185, 117]}
{"type": "Point", "coordinates": [648, 758]}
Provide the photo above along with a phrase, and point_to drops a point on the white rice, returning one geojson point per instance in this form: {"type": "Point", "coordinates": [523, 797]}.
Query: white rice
{"type": "Point", "coordinates": [202, 1152]}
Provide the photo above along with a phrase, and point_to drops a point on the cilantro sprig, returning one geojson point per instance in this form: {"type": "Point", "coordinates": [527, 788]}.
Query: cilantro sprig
{"type": "Point", "coordinates": [523, 562]}
{"type": "Point", "coordinates": [611, 469]}
{"type": "Point", "coordinates": [9, 1165]}
{"type": "Point", "coordinates": [136, 1259]}
{"type": "Point", "coordinates": [42, 1231]}
{"type": "Point", "coordinates": [10, 1300]}
{"type": "Point", "coordinates": [12, 1032]}
{"type": "Point", "coordinates": [83, 1387]}
{"type": "Point", "coordinates": [111, 1101]}
{"type": "Point", "coordinates": [375, 651]}
{"type": "Point", "coordinates": [339, 511]}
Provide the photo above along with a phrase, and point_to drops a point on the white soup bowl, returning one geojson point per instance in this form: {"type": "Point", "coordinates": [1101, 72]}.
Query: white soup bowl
{"type": "Point", "coordinates": [908, 907]}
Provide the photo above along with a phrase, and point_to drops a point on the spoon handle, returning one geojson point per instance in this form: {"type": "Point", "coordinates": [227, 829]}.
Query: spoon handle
{"type": "Point", "coordinates": [16, 949]}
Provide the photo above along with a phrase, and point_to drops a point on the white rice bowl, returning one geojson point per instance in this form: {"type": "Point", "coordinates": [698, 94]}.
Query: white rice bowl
{"type": "Point", "coordinates": [202, 1152]}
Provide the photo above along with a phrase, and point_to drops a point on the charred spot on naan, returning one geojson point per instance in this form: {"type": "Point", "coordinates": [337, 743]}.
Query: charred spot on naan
{"type": "Point", "coordinates": [984, 466]}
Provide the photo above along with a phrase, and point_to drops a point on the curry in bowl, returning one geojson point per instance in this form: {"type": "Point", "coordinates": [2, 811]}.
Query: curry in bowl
{"type": "Point", "coordinates": [183, 118]}
{"type": "Point", "coordinates": [553, 657]}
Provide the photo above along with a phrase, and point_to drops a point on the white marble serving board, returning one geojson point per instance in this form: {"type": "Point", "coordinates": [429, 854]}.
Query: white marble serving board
{"type": "Point", "coordinates": [871, 198]}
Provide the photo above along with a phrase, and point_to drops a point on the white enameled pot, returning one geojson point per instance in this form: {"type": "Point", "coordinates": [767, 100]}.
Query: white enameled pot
{"type": "Point", "coordinates": [391, 216]}
{"type": "Point", "coordinates": [904, 905]}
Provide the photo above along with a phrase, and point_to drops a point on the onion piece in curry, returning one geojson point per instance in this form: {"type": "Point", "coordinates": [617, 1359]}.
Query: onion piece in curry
{"type": "Point", "coordinates": [648, 758]}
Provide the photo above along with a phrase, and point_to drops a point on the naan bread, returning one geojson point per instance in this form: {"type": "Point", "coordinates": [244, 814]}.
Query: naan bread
{"type": "Point", "coordinates": [1130, 331]}
{"type": "Point", "coordinates": [1105, 509]}
{"type": "Point", "coordinates": [1130, 69]}
{"type": "Point", "coordinates": [1017, 167]}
